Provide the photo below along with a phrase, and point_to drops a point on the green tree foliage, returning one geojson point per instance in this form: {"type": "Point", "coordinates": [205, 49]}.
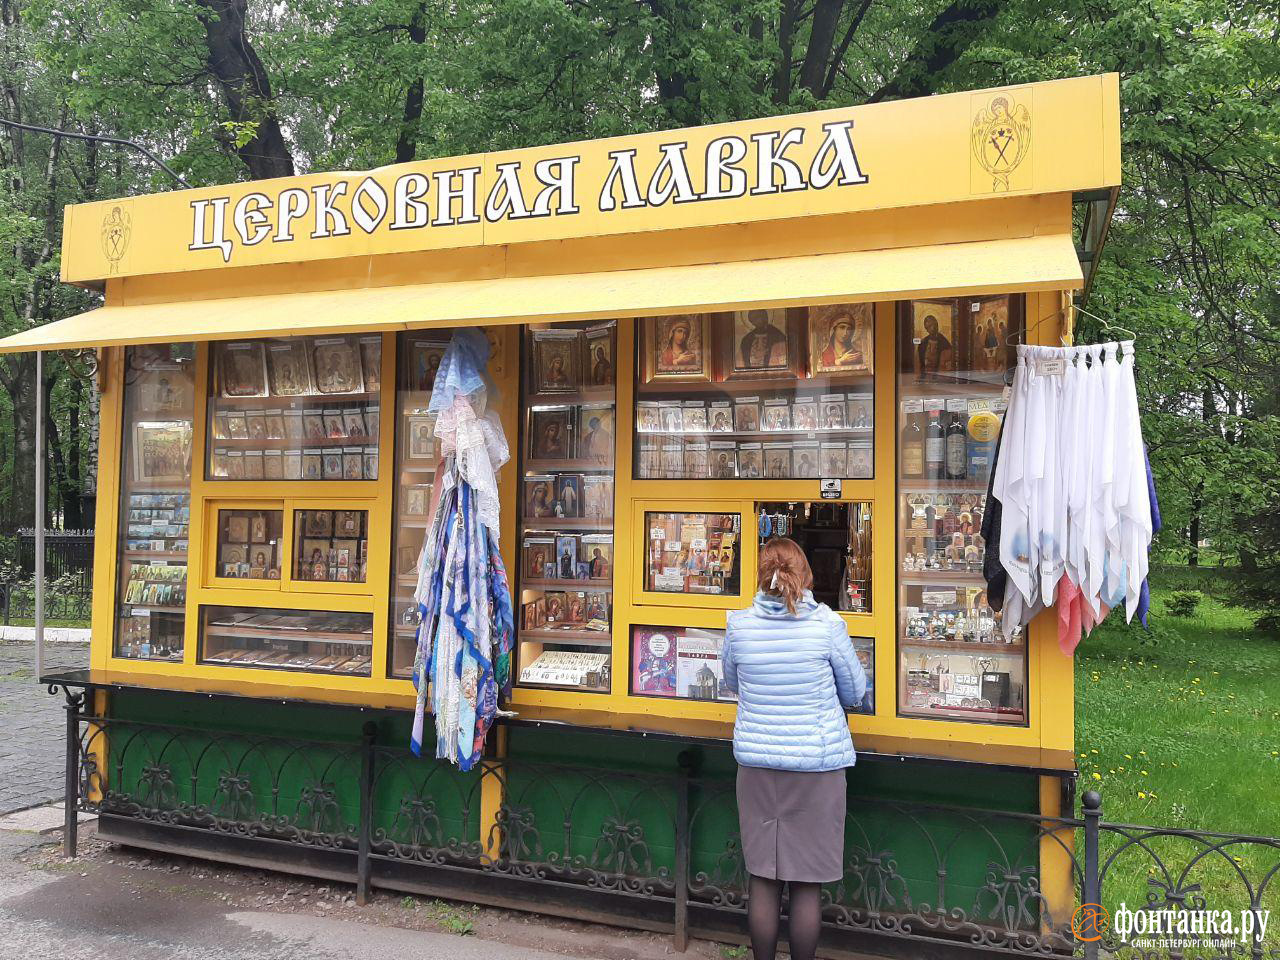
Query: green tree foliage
{"type": "Point", "coordinates": [347, 84]}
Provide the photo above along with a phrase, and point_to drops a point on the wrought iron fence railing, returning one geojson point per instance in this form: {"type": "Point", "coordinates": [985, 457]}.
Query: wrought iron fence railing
{"type": "Point", "coordinates": [985, 881]}
{"type": "Point", "coordinates": [18, 603]}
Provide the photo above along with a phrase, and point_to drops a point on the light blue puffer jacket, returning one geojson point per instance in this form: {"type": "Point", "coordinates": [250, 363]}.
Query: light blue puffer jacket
{"type": "Point", "coordinates": [792, 673]}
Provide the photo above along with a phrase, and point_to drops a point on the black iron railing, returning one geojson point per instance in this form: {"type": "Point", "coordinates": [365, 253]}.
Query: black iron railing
{"type": "Point", "coordinates": [18, 603]}
{"type": "Point", "coordinates": [669, 841]}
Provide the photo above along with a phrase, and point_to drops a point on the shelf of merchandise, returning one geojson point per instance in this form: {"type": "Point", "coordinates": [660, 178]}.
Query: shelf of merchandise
{"type": "Point", "coordinates": [962, 646]}
{"type": "Point", "coordinates": [591, 586]}
{"type": "Point", "coordinates": [274, 402]}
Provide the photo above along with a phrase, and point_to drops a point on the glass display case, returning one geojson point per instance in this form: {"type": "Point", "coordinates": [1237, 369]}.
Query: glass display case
{"type": "Point", "coordinates": [954, 661]}
{"type": "Point", "coordinates": [295, 408]}
{"type": "Point", "coordinates": [836, 537]}
{"type": "Point", "coordinates": [774, 394]}
{"type": "Point", "coordinates": [416, 459]}
{"type": "Point", "coordinates": [567, 506]}
{"type": "Point", "coordinates": [330, 546]}
{"type": "Point", "coordinates": [249, 544]}
{"type": "Point", "coordinates": [686, 663]}
{"type": "Point", "coordinates": [155, 500]}
{"type": "Point", "coordinates": [693, 553]}
{"type": "Point", "coordinates": [313, 641]}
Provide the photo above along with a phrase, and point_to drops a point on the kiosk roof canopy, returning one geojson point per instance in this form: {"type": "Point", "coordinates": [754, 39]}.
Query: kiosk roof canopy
{"type": "Point", "coordinates": [993, 266]}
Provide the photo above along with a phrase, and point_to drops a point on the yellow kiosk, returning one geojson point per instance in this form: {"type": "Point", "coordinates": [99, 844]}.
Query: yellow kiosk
{"type": "Point", "coordinates": [796, 325]}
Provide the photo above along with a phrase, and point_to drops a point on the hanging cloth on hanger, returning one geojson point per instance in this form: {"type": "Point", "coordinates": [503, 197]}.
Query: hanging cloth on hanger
{"type": "Point", "coordinates": [1069, 515]}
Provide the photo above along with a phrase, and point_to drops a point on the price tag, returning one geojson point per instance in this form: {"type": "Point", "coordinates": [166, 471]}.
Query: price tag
{"type": "Point", "coordinates": [1054, 367]}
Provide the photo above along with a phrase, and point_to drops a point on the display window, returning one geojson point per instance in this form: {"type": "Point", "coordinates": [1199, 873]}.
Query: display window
{"type": "Point", "coordinates": [314, 641]}
{"type": "Point", "coordinates": [836, 537]}
{"type": "Point", "coordinates": [295, 408]}
{"type": "Point", "coordinates": [330, 546]}
{"type": "Point", "coordinates": [954, 661]}
{"type": "Point", "coordinates": [756, 394]}
{"type": "Point", "coordinates": [566, 507]}
{"type": "Point", "coordinates": [686, 663]}
{"type": "Point", "coordinates": [248, 544]}
{"type": "Point", "coordinates": [416, 459]}
{"type": "Point", "coordinates": [693, 553]}
{"type": "Point", "coordinates": [155, 500]}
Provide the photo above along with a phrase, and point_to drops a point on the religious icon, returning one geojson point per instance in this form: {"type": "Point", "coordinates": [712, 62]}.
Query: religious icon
{"type": "Point", "coordinates": [596, 434]}
{"type": "Point", "coordinates": [424, 364]}
{"type": "Point", "coordinates": [676, 348]}
{"type": "Point", "coordinates": [420, 438]}
{"type": "Point", "coordinates": [597, 359]}
{"type": "Point", "coordinates": [555, 361]}
{"type": "Point", "coordinates": [337, 365]}
{"type": "Point", "coordinates": [933, 338]}
{"type": "Point", "coordinates": [988, 351]}
{"type": "Point", "coordinates": [241, 369]}
{"type": "Point", "coordinates": [568, 501]}
{"type": "Point", "coordinates": [371, 360]}
{"type": "Point", "coordinates": [160, 452]}
{"type": "Point", "coordinates": [760, 346]}
{"type": "Point", "coordinates": [288, 369]}
{"type": "Point", "coordinates": [550, 434]}
{"type": "Point", "coordinates": [539, 498]}
{"type": "Point", "coordinates": [840, 338]}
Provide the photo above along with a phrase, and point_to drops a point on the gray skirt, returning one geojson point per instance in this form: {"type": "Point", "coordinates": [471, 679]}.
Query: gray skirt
{"type": "Point", "coordinates": [792, 823]}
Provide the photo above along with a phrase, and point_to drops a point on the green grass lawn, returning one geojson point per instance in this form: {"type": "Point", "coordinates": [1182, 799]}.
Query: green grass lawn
{"type": "Point", "coordinates": [1180, 727]}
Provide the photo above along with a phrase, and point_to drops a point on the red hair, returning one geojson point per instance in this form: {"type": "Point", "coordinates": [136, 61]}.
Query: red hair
{"type": "Point", "coordinates": [784, 571]}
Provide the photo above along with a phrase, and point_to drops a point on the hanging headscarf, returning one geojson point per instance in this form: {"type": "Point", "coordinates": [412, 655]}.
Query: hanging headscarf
{"type": "Point", "coordinates": [463, 658]}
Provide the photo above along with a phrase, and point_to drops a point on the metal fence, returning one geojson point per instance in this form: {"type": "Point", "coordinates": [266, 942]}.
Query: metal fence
{"type": "Point", "coordinates": [68, 556]}
{"type": "Point", "coordinates": [18, 603]}
{"type": "Point", "coordinates": [635, 844]}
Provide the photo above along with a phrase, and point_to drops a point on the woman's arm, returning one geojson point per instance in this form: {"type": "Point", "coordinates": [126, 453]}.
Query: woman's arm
{"type": "Point", "coordinates": [851, 679]}
{"type": "Point", "coordinates": [726, 659]}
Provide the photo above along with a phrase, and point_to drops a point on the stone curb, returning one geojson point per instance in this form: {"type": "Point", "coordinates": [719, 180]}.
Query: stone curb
{"type": "Point", "coordinates": [51, 634]}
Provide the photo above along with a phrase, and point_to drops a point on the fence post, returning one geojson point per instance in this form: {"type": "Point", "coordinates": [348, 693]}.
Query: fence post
{"type": "Point", "coordinates": [71, 793]}
{"type": "Point", "coordinates": [1091, 804]}
{"type": "Point", "coordinates": [681, 931]}
{"type": "Point", "coordinates": [367, 735]}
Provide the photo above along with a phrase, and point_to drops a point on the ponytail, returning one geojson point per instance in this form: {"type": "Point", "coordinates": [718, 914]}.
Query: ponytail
{"type": "Point", "coordinates": [784, 571]}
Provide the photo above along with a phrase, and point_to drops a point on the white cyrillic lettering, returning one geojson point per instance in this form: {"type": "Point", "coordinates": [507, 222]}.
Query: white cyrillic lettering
{"type": "Point", "coordinates": [623, 171]}
{"type": "Point", "coordinates": [836, 156]}
{"type": "Point", "coordinates": [556, 175]}
{"type": "Point", "coordinates": [723, 156]}
{"type": "Point", "coordinates": [410, 213]}
{"type": "Point", "coordinates": [218, 230]}
{"type": "Point", "coordinates": [446, 193]}
{"type": "Point", "coordinates": [671, 177]}
{"type": "Point", "coordinates": [372, 189]}
{"type": "Point", "coordinates": [326, 211]}
{"type": "Point", "coordinates": [770, 157]}
{"type": "Point", "coordinates": [251, 222]}
{"type": "Point", "coordinates": [506, 199]}
{"type": "Point", "coordinates": [293, 204]}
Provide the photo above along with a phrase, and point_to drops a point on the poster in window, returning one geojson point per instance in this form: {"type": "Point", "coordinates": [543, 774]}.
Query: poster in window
{"type": "Point", "coordinates": [160, 452]}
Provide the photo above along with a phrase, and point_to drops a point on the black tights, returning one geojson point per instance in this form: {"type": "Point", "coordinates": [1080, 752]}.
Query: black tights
{"type": "Point", "coordinates": [764, 913]}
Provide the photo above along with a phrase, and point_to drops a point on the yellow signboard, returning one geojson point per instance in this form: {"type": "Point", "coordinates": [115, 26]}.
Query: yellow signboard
{"type": "Point", "coordinates": [1042, 138]}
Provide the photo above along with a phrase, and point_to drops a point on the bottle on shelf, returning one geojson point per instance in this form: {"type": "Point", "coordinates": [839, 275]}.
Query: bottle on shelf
{"type": "Point", "coordinates": [956, 463]}
{"type": "Point", "coordinates": [912, 440]}
{"type": "Point", "coordinates": [935, 441]}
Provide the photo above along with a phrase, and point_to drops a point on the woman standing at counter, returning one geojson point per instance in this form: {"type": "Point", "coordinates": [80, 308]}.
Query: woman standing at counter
{"type": "Point", "coordinates": [791, 663]}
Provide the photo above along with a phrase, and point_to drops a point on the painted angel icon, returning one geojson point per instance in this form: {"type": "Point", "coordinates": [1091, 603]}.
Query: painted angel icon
{"type": "Point", "coordinates": [1000, 138]}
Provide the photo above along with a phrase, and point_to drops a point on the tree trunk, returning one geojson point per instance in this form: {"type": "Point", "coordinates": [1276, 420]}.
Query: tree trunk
{"type": "Point", "coordinates": [942, 43]}
{"type": "Point", "coordinates": [407, 142]}
{"type": "Point", "coordinates": [673, 23]}
{"type": "Point", "coordinates": [822, 37]}
{"type": "Point", "coordinates": [73, 514]}
{"type": "Point", "coordinates": [786, 50]}
{"type": "Point", "coordinates": [246, 90]}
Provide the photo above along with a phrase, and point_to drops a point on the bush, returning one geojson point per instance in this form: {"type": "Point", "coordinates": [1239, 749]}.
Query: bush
{"type": "Point", "coordinates": [1183, 603]}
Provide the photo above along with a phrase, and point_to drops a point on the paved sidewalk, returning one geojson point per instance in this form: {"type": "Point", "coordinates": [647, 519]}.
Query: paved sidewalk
{"type": "Point", "coordinates": [32, 725]}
